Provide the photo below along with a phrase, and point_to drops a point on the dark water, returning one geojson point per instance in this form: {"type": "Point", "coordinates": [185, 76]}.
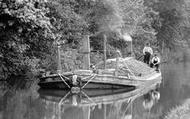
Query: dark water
{"type": "Point", "coordinates": [29, 104]}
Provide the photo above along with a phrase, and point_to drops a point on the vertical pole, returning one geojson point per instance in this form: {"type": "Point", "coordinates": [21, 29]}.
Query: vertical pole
{"type": "Point", "coordinates": [117, 62]}
{"type": "Point", "coordinates": [132, 109]}
{"type": "Point", "coordinates": [131, 48]}
{"type": "Point", "coordinates": [86, 50]}
{"type": "Point", "coordinates": [105, 111]}
{"type": "Point", "coordinates": [163, 82]}
{"type": "Point", "coordinates": [59, 111]}
{"type": "Point", "coordinates": [116, 68]}
{"type": "Point", "coordinates": [59, 70]}
{"type": "Point", "coordinates": [162, 47]}
{"type": "Point", "coordinates": [105, 42]}
{"type": "Point", "coordinates": [88, 112]}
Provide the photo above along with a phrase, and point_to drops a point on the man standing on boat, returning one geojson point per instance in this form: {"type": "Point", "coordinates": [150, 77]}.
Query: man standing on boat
{"type": "Point", "coordinates": [147, 51]}
{"type": "Point", "coordinates": [155, 62]}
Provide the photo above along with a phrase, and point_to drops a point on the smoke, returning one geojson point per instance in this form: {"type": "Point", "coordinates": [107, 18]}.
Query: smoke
{"type": "Point", "coordinates": [111, 18]}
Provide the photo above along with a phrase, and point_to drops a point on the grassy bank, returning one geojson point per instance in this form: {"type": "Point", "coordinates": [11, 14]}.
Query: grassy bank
{"type": "Point", "coordinates": [180, 112]}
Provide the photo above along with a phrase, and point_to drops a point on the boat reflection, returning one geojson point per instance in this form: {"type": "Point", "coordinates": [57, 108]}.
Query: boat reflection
{"type": "Point", "coordinates": [150, 99]}
{"type": "Point", "coordinates": [87, 104]}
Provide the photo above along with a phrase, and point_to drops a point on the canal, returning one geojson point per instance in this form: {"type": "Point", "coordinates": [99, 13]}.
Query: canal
{"type": "Point", "coordinates": [155, 104]}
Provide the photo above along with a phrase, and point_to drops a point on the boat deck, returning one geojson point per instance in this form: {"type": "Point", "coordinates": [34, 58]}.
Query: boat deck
{"type": "Point", "coordinates": [128, 72]}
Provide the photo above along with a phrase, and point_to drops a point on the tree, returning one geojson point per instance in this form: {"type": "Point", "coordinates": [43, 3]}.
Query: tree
{"type": "Point", "coordinates": [174, 20]}
{"type": "Point", "coordinates": [26, 36]}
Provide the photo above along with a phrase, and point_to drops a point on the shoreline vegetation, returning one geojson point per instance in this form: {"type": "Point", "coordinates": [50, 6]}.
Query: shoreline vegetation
{"type": "Point", "coordinates": [179, 112]}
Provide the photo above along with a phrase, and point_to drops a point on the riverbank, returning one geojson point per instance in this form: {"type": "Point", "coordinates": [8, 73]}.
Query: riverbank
{"type": "Point", "coordinates": [180, 112]}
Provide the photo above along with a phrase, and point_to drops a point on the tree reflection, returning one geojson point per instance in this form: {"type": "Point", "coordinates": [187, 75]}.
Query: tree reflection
{"type": "Point", "coordinates": [23, 104]}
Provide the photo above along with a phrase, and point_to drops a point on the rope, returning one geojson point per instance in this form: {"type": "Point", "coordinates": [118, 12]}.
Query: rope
{"type": "Point", "coordinates": [62, 99]}
{"type": "Point", "coordinates": [65, 77]}
{"type": "Point", "coordinates": [88, 52]}
{"type": "Point", "coordinates": [64, 81]}
{"type": "Point", "coordinates": [88, 97]}
{"type": "Point", "coordinates": [130, 100]}
{"type": "Point", "coordinates": [89, 80]}
{"type": "Point", "coordinates": [140, 58]}
{"type": "Point", "coordinates": [88, 76]}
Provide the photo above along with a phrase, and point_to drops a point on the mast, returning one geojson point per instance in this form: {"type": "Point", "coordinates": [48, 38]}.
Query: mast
{"type": "Point", "coordinates": [131, 48]}
{"type": "Point", "coordinates": [86, 52]}
{"type": "Point", "coordinates": [117, 62]}
{"type": "Point", "coordinates": [105, 42]}
{"type": "Point", "coordinates": [59, 68]}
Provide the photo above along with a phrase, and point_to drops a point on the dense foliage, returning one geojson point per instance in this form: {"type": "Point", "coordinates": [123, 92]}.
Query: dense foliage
{"type": "Point", "coordinates": [26, 36]}
{"type": "Point", "coordinates": [174, 17]}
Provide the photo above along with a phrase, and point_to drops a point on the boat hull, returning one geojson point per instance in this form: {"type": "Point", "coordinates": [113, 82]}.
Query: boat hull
{"type": "Point", "coordinates": [90, 85]}
{"type": "Point", "coordinates": [99, 82]}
